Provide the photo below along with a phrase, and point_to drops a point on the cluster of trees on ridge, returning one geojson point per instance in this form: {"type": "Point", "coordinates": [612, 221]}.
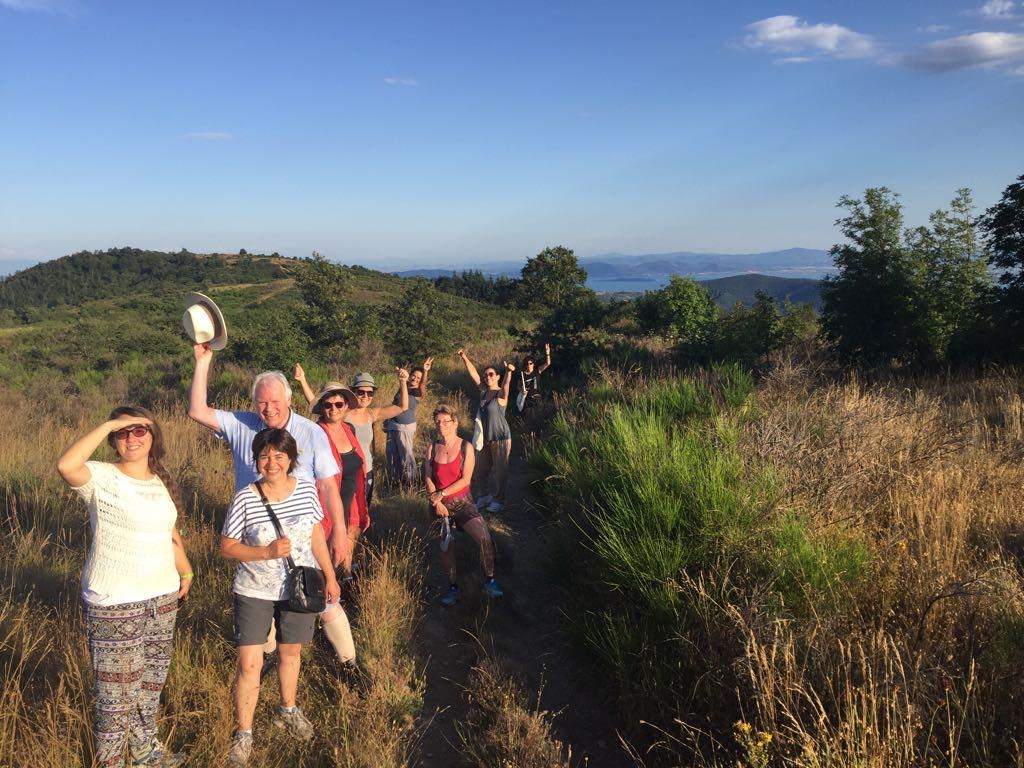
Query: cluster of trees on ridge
{"type": "Point", "coordinates": [88, 275]}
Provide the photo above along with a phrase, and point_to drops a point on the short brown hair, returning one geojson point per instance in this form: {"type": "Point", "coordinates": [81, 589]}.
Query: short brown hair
{"type": "Point", "coordinates": [278, 439]}
{"type": "Point", "coordinates": [447, 410]}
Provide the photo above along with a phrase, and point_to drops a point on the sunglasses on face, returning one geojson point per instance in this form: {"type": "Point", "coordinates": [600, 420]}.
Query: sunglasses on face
{"type": "Point", "coordinates": [139, 430]}
{"type": "Point", "coordinates": [442, 422]}
{"type": "Point", "coordinates": [339, 404]}
{"type": "Point", "coordinates": [489, 374]}
{"type": "Point", "coordinates": [364, 393]}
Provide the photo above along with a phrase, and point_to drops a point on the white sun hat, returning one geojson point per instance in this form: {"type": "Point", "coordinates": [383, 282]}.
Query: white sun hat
{"type": "Point", "coordinates": [204, 322]}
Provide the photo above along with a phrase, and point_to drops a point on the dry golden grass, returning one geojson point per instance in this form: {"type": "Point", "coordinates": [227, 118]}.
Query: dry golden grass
{"type": "Point", "coordinates": [45, 677]}
{"type": "Point", "coordinates": [503, 729]}
{"type": "Point", "coordinates": [919, 665]}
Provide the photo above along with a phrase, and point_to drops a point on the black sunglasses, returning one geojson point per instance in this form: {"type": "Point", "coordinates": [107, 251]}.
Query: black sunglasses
{"type": "Point", "coordinates": [339, 404]}
{"type": "Point", "coordinates": [139, 430]}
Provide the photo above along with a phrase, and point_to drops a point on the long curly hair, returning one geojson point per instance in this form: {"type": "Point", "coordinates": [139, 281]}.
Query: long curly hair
{"type": "Point", "coordinates": [156, 451]}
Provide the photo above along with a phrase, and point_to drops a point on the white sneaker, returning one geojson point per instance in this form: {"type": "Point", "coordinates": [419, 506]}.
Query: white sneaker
{"type": "Point", "coordinates": [495, 506]}
{"type": "Point", "coordinates": [483, 501]}
{"type": "Point", "coordinates": [241, 749]}
{"type": "Point", "coordinates": [294, 722]}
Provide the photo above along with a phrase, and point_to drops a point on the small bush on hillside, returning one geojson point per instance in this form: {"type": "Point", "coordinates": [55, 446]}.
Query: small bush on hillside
{"type": "Point", "coordinates": [421, 323]}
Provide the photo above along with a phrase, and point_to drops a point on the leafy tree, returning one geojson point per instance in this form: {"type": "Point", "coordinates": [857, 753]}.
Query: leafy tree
{"type": "Point", "coordinates": [473, 284]}
{"type": "Point", "coordinates": [799, 324]}
{"type": "Point", "coordinates": [552, 278]}
{"type": "Point", "coordinates": [328, 318]}
{"type": "Point", "coordinates": [749, 334]}
{"type": "Point", "coordinates": [872, 308]}
{"type": "Point", "coordinates": [1003, 225]}
{"type": "Point", "coordinates": [275, 342]}
{"type": "Point", "coordinates": [682, 312]}
{"type": "Point", "coordinates": [421, 323]}
{"type": "Point", "coordinates": [954, 272]}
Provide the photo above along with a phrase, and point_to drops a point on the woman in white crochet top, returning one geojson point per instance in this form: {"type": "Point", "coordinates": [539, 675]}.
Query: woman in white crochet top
{"type": "Point", "coordinates": [135, 574]}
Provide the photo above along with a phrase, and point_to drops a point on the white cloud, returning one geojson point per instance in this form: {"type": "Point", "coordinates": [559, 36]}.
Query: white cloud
{"type": "Point", "coordinates": [793, 35]}
{"type": "Point", "coordinates": [975, 49]}
{"type": "Point", "coordinates": [998, 9]}
{"type": "Point", "coordinates": [794, 60]}
{"type": "Point", "coordinates": [209, 135]}
{"type": "Point", "coordinates": [934, 29]}
{"type": "Point", "coordinates": [1018, 71]}
{"type": "Point", "coordinates": [407, 81]}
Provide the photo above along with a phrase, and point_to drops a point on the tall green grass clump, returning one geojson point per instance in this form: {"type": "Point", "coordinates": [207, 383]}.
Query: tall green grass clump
{"type": "Point", "coordinates": [650, 480]}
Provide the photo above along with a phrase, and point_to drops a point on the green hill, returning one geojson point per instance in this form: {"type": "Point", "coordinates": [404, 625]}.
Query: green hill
{"type": "Point", "coordinates": [76, 321]}
{"type": "Point", "coordinates": [727, 291]}
{"type": "Point", "coordinates": [116, 272]}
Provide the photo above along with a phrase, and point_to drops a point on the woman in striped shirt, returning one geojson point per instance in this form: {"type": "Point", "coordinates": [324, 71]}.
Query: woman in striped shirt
{"type": "Point", "coordinates": [261, 581]}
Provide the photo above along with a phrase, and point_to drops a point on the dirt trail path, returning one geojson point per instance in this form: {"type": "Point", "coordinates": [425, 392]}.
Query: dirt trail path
{"type": "Point", "coordinates": [524, 631]}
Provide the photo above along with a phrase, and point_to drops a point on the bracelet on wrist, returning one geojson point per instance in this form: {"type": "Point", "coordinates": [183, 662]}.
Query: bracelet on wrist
{"type": "Point", "coordinates": [189, 575]}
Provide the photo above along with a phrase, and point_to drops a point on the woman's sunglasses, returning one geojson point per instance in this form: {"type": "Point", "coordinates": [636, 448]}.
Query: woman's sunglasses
{"type": "Point", "coordinates": [339, 404]}
{"type": "Point", "coordinates": [364, 393]}
{"type": "Point", "coordinates": [139, 430]}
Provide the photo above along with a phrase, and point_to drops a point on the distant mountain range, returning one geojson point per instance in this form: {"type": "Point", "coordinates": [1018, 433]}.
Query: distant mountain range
{"type": "Point", "coordinates": [657, 267]}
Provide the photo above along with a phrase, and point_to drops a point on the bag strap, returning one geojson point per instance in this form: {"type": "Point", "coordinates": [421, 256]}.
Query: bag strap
{"type": "Point", "coordinates": [274, 520]}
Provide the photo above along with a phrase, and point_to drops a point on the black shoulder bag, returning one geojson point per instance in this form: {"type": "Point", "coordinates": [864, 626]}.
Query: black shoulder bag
{"type": "Point", "coordinates": [307, 593]}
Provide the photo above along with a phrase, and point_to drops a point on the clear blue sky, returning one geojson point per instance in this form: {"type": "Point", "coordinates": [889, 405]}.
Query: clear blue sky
{"type": "Point", "coordinates": [443, 133]}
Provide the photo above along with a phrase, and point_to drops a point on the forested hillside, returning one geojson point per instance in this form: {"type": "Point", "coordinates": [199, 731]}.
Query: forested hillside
{"type": "Point", "coordinates": [119, 271]}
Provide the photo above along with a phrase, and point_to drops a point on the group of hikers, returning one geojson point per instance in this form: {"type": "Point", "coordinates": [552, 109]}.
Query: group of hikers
{"type": "Point", "coordinates": [302, 499]}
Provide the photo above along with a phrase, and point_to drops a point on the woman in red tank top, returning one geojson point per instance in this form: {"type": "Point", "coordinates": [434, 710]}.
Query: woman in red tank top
{"type": "Point", "coordinates": [449, 470]}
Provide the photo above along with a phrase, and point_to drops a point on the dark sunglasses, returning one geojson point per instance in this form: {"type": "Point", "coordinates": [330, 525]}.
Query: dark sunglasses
{"type": "Point", "coordinates": [490, 373]}
{"type": "Point", "coordinates": [339, 404]}
{"type": "Point", "coordinates": [364, 393]}
{"type": "Point", "coordinates": [139, 430]}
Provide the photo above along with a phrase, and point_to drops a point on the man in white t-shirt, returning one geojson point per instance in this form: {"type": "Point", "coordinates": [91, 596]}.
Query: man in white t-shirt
{"type": "Point", "coordinates": [272, 398]}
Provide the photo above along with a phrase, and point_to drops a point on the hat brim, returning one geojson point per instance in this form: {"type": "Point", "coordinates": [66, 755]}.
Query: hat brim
{"type": "Point", "coordinates": [220, 338]}
{"type": "Point", "coordinates": [348, 394]}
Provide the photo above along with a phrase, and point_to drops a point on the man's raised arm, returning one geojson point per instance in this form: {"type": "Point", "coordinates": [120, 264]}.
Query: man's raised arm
{"type": "Point", "coordinates": [198, 409]}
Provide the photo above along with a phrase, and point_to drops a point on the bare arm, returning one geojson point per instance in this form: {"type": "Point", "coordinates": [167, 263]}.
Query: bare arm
{"type": "Point", "coordinates": [470, 368]}
{"type": "Point", "coordinates": [71, 464]}
{"type": "Point", "coordinates": [390, 411]}
{"type": "Point", "coordinates": [506, 382]}
{"type": "Point", "coordinates": [307, 391]}
{"type": "Point", "coordinates": [323, 558]}
{"type": "Point", "coordinates": [182, 565]}
{"type": "Point", "coordinates": [198, 408]}
{"type": "Point", "coordinates": [336, 513]}
{"type": "Point", "coordinates": [547, 362]}
{"type": "Point", "coordinates": [233, 549]}
{"type": "Point", "coordinates": [426, 372]}
{"type": "Point", "coordinates": [426, 470]}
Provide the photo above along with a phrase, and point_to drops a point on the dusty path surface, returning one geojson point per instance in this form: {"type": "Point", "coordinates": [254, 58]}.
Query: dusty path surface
{"type": "Point", "coordinates": [525, 631]}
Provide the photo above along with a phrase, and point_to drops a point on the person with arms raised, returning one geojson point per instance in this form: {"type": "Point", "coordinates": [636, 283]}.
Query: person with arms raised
{"type": "Point", "coordinates": [492, 458]}
{"type": "Point", "coordinates": [362, 417]}
{"type": "Point", "coordinates": [272, 399]}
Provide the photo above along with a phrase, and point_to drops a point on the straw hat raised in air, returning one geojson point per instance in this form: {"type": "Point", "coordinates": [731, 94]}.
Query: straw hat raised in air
{"type": "Point", "coordinates": [203, 321]}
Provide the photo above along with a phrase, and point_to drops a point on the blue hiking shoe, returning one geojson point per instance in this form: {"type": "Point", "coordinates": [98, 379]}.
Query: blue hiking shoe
{"type": "Point", "coordinates": [451, 597]}
{"type": "Point", "coordinates": [491, 588]}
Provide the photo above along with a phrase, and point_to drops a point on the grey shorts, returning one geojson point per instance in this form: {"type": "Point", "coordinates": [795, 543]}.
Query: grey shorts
{"type": "Point", "coordinates": [252, 622]}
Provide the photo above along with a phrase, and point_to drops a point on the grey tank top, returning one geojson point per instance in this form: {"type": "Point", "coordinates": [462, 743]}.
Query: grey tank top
{"type": "Point", "coordinates": [408, 416]}
{"type": "Point", "coordinates": [493, 416]}
{"type": "Point", "coordinates": [364, 434]}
